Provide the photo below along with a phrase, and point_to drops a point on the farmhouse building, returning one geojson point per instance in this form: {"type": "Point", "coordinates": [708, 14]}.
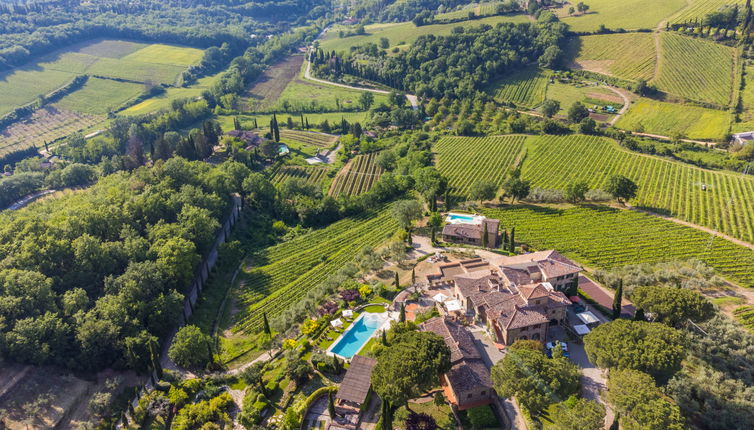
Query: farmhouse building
{"type": "Point", "coordinates": [743, 138]}
{"type": "Point", "coordinates": [472, 234]}
{"type": "Point", "coordinates": [515, 299]}
{"type": "Point", "coordinates": [467, 384]}
{"type": "Point", "coordinates": [249, 138]}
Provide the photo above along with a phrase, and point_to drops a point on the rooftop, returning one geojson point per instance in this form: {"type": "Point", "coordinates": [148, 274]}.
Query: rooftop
{"type": "Point", "coordinates": [356, 383]}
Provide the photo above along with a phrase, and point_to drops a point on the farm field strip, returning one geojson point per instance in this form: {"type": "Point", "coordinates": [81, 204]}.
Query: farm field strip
{"type": "Point", "coordinates": [312, 175]}
{"type": "Point", "coordinates": [668, 118]}
{"type": "Point", "coordinates": [698, 9]}
{"type": "Point", "coordinates": [357, 176]}
{"type": "Point", "coordinates": [273, 81]}
{"type": "Point", "coordinates": [295, 267]}
{"type": "Point", "coordinates": [603, 237]}
{"type": "Point", "coordinates": [525, 88]}
{"type": "Point", "coordinates": [724, 205]}
{"type": "Point", "coordinates": [696, 69]}
{"type": "Point", "coordinates": [625, 14]}
{"type": "Point", "coordinates": [45, 124]}
{"type": "Point", "coordinates": [467, 160]}
{"type": "Point", "coordinates": [309, 137]}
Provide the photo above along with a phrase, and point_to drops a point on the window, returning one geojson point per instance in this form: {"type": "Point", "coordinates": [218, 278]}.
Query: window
{"type": "Point", "coordinates": [484, 392]}
{"type": "Point", "coordinates": [468, 396]}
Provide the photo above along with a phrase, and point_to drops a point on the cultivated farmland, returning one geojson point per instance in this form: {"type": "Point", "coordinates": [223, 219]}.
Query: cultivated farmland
{"type": "Point", "coordinates": [322, 140]}
{"type": "Point", "coordinates": [285, 273]}
{"type": "Point", "coordinates": [525, 88]}
{"type": "Point", "coordinates": [725, 203]}
{"type": "Point", "coordinates": [698, 9]}
{"type": "Point", "coordinates": [696, 69]}
{"type": "Point", "coordinates": [602, 237]}
{"type": "Point", "coordinates": [625, 55]}
{"type": "Point", "coordinates": [626, 14]}
{"type": "Point", "coordinates": [273, 81]}
{"type": "Point", "coordinates": [357, 176]}
{"type": "Point", "coordinates": [467, 160]}
{"type": "Point", "coordinates": [651, 116]}
{"type": "Point", "coordinates": [312, 175]}
{"type": "Point", "coordinates": [47, 125]}
{"type": "Point", "coordinates": [100, 96]}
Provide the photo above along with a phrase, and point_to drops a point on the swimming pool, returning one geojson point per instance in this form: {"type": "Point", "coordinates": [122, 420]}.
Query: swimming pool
{"type": "Point", "coordinates": [454, 218]}
{"type": "Point", "coordinates": [358, 334]}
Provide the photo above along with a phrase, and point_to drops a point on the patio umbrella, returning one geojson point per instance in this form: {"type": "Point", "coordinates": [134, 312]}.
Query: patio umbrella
{"type": "Point", "coordinates": [453, 306]}
{"type": "Point", "coordinates": [348, 313]}
{"type": "Point", "coordinates": [336, 322]}
{"type": "Point", "coordinates": [440, 297]}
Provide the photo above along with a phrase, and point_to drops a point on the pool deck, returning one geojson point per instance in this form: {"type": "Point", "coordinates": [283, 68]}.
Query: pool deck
{"type": "Point", "coordinates": [461, 218]}
{"type": "Point", "coordinates": [387, 318]}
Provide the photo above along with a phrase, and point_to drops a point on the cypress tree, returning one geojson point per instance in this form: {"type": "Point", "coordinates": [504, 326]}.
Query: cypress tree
{"type": "Point", "coordinates": [307, 123]}
{"type": "Point", "coordinates": [255, 123]}
{"type": "Point", "coordinates": [272, 128]}
{"type": "Point", "coordinates": [236, 123]}
{"type": "Point", "coordinates": [384, 338]}
{"type": "Point", "coordinates": [210, 353]}
{"type": "Point", "coordinates": [387, 416]}
{"type": "Point", "coordinates": [330, 405]}
{"type": "Point", "coordinates": [155, 361]}
{"type": "Point", "coordinates": [505, 239]}
{"type": "Point", "coordinates": [447, 200]}
{"type": "Point", "coordinates": [617, 300]}
{"type": "Point", "coordinates": [302, 121]}
{"type": "Point", "coordinates": [277, 128]}
{"type": "Point", "coordinates": [396, 282]}
{"type": "Point", "coordinates": [413, 275]}
{"type": "Point", "coordinates": [266, 324]}
{"type": "Point", "coordinates": [402, 317]}
{"type": "Point", "coordinates": [512, 242]}
{"type": "Point", "coordinates": [485, 239]}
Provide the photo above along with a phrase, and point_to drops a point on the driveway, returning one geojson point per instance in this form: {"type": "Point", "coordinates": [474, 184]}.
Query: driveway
{"type": "Point", "coordinates": [593, 382]}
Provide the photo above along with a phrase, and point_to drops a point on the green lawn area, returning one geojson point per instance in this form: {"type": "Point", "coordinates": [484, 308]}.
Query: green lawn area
{"type": "Point", "coordinates": [626, 14]}
{"type": "Point", "coordinates": [404, 33]}
{"type": "Point", "coordinates": [442, 415]}
{"type": "Point", "coordinates": [307, 96]}
{"type": "Point", "coordinates": [662, 118]}
{"type": "Point", "coordinates": [568, 94]}
{"type": "Point", "coordinates": [23, 85]}
{"type": "Point", "coordinates": [163, 101]}
{"type": "Point", "coordinates": [166, 54]}
{"type": "Point", "coordinates": [99, 96]}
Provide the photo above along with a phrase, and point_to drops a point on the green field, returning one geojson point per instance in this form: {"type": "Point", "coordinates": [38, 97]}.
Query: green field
{"type": "Point", "coordinates": [726, 205]}
{"type": "Point", "coordinates": [283, 274]}
{"type": "Point", "coordinates": [164, 100]}
{"type": "Point", "coordinates": [602, 237]}
{"type": "Point", "coordinates": [626, 14]}
{"type": "Point", "coordinates": [589, 95]}
{"type": "Point", "coordinates": [307, 96]}
{"type": "Point", "coordinates": [698, 9]}
{"type": "Point", "coordinates": [745, 316]}
{"type": "Point", "coordinates": [747, 98]}
{"type": "Point", "coordinates": [696, 69]}
{"type": "Point", "coordinates": [626, 56]}
{"type": "Point", "coordinates": [100, 96]}
{"type": "Point", "coordinates": [467, 160]}
{"type": "Point", "coordinates": [312, 175]}
{"type": "Point", "coordinates": [263, 120]}
{"type": "Point", "coordinates": [155, 63]}
{"type": "Point", "coordinates": [662, 118]}
{"type": "Point", "coordinates": [404, 33]}
{"type": "Point", "coordinates": [357, 177]}
{"type": "Point", "coordinates": [525, 88]}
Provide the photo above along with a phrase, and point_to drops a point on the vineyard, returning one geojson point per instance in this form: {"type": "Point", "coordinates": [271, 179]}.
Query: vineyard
{"type": "Point", "coordinates": [745, 316]}
{"type": "Point", "coordinates": [467, 160]}
{"type": "Point", "coordinates": [647, 115]}
{"type": "Point", "coordinates": [624, 14]}
{"type": "Point", "coordinates": [286, 272]}
{"type": "Point", "coordinates": [627, 55]}
{"type": "Point", "coordinates": [602, 237]}
{"type": "Point", "coordinates": [312, 175]}
{"type": "Point", "coordinates": [696, 69]}
{"type": "Point", "coordinates": [357, 176]}
{"type": "Point", "coordinates": [524, 88]}
{"type": "Point", "coordinates": [698, 9]}
{"type": "Point", "coordinates": [725, 203]}
{"type": "Point", "coordinates": [45, 124]}
{"type": "Point", "coordinates": [321, 140]}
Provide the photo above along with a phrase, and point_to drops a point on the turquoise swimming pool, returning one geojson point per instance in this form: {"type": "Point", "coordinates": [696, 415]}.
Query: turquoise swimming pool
{"type": "Point", "coordinates": [461, 218]}
{"type": "Point", "coordinates": [358, 334]}
{"type": "Point", "coordinates": [456, 218]}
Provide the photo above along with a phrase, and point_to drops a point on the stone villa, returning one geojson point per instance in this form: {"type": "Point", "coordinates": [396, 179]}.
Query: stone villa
{"type": "Point", "coordinates": [472, 233]}
{"type": "Point", "coordinates": [467, 384]}
{"type": "Point", "coordinates": [518, 297]}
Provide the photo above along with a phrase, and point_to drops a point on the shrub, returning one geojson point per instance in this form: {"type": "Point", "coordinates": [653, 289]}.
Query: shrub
{"type": "Point", "coordinates": [482, 418]}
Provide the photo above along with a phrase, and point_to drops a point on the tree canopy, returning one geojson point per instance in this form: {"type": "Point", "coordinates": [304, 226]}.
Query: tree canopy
{"type": "Point", "coordinates": [673, 306]}
{"type": "Point", "coordinates": [190, 347]}
{"type": "Point", "coordinates": [579, 414]}
{"type": "Point", "coordinates": [621, 187]}
{"type": "Point", "coordinates": [649, 347]}
{"type": "Point", "coordinates": [640, 403]}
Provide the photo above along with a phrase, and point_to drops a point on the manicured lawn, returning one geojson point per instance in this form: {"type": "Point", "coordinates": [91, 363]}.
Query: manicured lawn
{"type": "Point", "coordinates": [442, 415]}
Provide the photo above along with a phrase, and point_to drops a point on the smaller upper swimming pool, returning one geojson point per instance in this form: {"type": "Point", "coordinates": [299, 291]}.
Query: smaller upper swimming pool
{"type": "Point", "coordinates": [456, 218]}
{"type": "Point", "coordinates": [358, 334]}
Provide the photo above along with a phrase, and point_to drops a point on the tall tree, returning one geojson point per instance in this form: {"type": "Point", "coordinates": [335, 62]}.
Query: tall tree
{"type": "Point", "coordinates": [435, 223]}
{"type": "Point", "coordinates": [621, 187]}
{"type": "Point", "coordinates": [266, 325]}
{"type": "Point", "coordinates": [672, 306]}
{"type": "Point", "coordinates": [618, 300]}
{"type": "Point", "coordinates": [512, 241]}
{"type": "Point", "coordinates": [640, 404]}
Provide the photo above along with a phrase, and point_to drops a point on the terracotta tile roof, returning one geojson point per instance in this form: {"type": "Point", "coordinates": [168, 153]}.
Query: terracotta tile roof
{"type": "Point", "coordinates": [511, 316]}
{"type": "Point", "coordinates": [458, 339]}
{"type": "Point", "coordinates": [473, 231]}
{"type": "Point", "coordinates": [534, 291]}
{"type": "Point", "coordinates": [356, 383]}
{"type": "Point", "coordinates": [469, 375]}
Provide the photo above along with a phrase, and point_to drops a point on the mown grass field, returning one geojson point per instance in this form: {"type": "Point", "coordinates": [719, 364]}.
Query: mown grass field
{"type": "Point", "coordinates": [312, 175]}
{"type": "Point", "coordinates": [603, 237]}
{"type": "Point", "coordinates": [307, 96]}
{"type": "Point", "coordinates": [626, 14]}
{"type": "Point", "coordinates": [283, 274]}
{"type": "Point", "coordinates": [662, 118]}
{"type": "Point", "coordinates": [357, 176]}
{"type": "Point", "coordinates": [100, 96]}
{"type": "Point", "coordinates": [467, 160]}
{"type": "Point", "coordinates": [164, 100]}
{"type": "Point", "coordinates": [625, 55]}
{"type": "Point", "coordinates": [589, 95]}
{"type": "Point", "coordinates": [696, 69]}
{"type": "Point", "coordinates": [525, 88]}
{"type": "Point", "coordinates": [727, 204]}
{"type": "Point", "coordinates": [47, 125]}
{"type": "Point", "coordinates": [404, 33]}
{"type": "Point", "coordinates": [698, 9]}
{"type": "Point", "coordinates": [155, 63]}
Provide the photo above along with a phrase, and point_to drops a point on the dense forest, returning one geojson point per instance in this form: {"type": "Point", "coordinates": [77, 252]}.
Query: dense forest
{"type": "Point", "coordinates": [94, 278]}
{"type": "Point", "coordinates": [458, 65]}
{"type": "Point", "coordinates": [29, 29]}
